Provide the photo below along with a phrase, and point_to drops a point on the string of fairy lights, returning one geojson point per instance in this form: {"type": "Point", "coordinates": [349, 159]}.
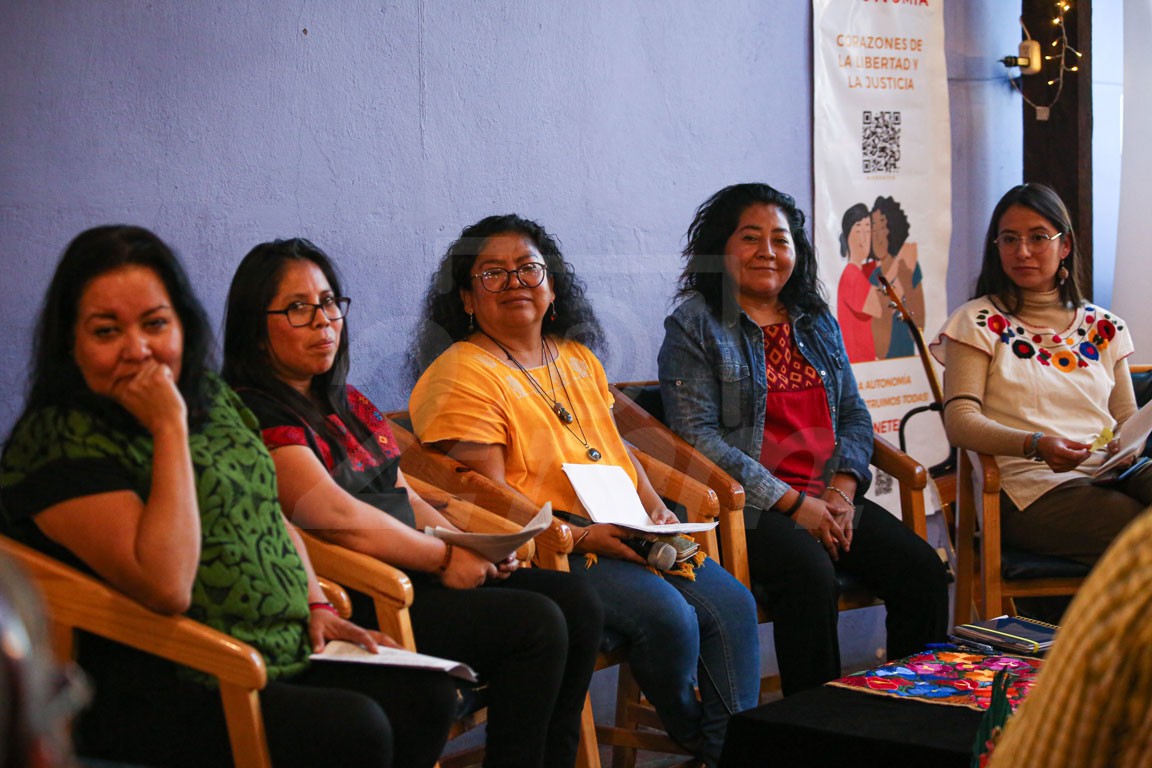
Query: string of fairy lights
{"type": "Point", "coordinates": [1063, 50]}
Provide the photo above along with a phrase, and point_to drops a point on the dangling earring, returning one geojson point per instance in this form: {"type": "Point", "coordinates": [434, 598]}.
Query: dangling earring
{"type": "Point", "coordinates": [552, 312]}
{"type": "Point", "coordinates": [471, 325]}
{"type": "Point", "coordinates": [1062, 273]}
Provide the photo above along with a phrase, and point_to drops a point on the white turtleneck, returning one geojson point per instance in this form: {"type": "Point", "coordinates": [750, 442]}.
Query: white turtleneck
{"type": "Point", "coordinates": [966, 375]}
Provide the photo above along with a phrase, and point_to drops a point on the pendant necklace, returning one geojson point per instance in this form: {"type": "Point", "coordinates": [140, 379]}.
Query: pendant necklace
{"type": "Point", "coordinates": [563, 415]}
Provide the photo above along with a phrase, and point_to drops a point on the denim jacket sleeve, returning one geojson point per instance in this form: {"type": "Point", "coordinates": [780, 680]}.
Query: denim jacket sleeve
{"type": "Point", "coordinates": [853, 422]}
{"type": "Point", "coordinates": [702, 402]}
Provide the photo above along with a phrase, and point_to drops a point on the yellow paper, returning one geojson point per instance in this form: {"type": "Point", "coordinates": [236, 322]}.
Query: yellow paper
{"type": "Point", "coordinates": [1102, 439]}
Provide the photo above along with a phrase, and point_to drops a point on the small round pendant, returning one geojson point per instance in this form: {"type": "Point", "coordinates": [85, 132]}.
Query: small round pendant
{"type": "Point", "coordinates": [594, 454]}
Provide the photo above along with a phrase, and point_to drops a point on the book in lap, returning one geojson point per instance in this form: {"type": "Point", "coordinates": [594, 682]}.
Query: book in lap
{"type": "Point", "coordinates": [1014, 634]}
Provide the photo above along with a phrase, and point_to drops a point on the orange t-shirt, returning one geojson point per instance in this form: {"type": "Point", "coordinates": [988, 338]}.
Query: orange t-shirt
{"type": "Point", "coordinates": [470, 395]}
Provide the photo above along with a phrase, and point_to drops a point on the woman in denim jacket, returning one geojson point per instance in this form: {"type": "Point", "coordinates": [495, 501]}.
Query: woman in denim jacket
{"type": "Point", "coordinates": [753, 372]}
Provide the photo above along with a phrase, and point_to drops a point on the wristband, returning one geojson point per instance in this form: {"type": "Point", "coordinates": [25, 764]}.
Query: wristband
{"type": "Point", "coordinates": [581, 538]}
{"type": "Point", "coordinates": [447, 559]}
{"type": "Point", "coordinates": [323, 607]}
{"type": "Point", "coordinates": [1032, 448]}
{"type": "Point", "coordinates": [843, 495]}
{"type": "Point", "coordinates": [795, 505]}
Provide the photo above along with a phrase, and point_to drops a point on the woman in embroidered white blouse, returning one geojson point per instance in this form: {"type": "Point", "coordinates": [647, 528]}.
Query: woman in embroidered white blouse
{"type": "Point", "coordinates": [1038, 377]}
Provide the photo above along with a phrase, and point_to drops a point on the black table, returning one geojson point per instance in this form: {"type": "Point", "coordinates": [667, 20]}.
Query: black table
{"type": "Point", "coordinates": [830, 726]}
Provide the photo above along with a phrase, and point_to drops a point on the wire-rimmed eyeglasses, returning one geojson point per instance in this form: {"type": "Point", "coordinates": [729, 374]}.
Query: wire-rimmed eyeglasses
{"type": "Point", "coordinates": [1010, 241]}
{"type": "Point", "coordinates": [302, 313]}
{"type": "Point", "coordinates": [498, 279]}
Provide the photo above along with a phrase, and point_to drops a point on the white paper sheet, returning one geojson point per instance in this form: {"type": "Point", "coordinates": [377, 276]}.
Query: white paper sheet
{"type": "Point", "coordinates": [496, 546]}
{"type": "Point", "coordinates": [339, 650]}
{"type": "Point", "coordinates": [1132, 436]}
{"type": "Point", "coordinates": [606, 491]}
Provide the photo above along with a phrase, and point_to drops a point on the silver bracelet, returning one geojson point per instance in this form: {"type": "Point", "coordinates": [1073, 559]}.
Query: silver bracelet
{"type": "Point", "coordinates": [843, 495]}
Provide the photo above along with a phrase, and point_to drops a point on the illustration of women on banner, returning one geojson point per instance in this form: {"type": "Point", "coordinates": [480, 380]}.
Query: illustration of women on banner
{"type": "Point", "coordinates": [858, 304]}
{"type": "Point", "coordinates": [897, 259]}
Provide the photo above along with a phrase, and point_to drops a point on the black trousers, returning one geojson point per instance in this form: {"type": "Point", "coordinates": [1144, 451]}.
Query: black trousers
{"type": "Point", "coordinates": [1076, 519]}
{"type": "Point", "coordinates": [533, 639]}
{"type": "Point", "coordinates": [795, 580]}
{"type": "Point", "coordinates": [332, 714]}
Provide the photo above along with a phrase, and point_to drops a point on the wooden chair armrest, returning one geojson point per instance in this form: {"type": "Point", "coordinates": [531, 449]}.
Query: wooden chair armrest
{"type": "Point", "coordinates": [989, 475]}
{"type": "Point", "coordinates": [74, 600]}
{"type": "Point", "coordinates": [646, 432]}
{"type": "Point", "coordinates": [469, 517]}
{"type": "Point", "coordinates": [444, 472]}
{"type": "Point", "coordinates": [336, 595]}
{"type": "Point", "coordinates": [905, 469]}
{"type": "Point", "coordinates": [912, 478]}
{"type": "Point", "coordinates": [389, 587]}
{"type": "Point", "coordinates": [701, 501]}
{"type": "Point", "coordinates": [81, 601]}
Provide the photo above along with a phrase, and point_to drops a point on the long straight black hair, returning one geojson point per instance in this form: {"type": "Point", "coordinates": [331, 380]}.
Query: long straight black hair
{"type": "Point", "coordinates": [56, 378]}
{"type": "Point", "coordinates": [993, 281]}
{"type": "Point", "coordinates": [247, 357]}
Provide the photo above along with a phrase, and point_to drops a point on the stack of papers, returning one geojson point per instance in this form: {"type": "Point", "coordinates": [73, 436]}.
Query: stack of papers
{"type": "Point", "coordinates": [340, 650]}
{"type": "Point", "coordinates": [496, 546]}
{"type": "Point", "coordinates": [607, 493]}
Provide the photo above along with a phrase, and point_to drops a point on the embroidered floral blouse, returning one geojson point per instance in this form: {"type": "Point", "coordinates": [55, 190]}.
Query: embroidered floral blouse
{"type": "Point", "coordinates": [1052, 380]}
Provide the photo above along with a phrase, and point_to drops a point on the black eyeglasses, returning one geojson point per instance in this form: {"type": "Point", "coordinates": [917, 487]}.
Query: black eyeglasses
{"type": "Point", "coordinates": [497, 279]}
{"type": "Point", "coordinates": [1010, 241]}
{"type": "Point", "coordinates": [301, 313]}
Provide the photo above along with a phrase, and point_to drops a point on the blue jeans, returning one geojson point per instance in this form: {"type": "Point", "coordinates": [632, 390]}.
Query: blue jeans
{"type": "Point", "coordinates": [682, 633]}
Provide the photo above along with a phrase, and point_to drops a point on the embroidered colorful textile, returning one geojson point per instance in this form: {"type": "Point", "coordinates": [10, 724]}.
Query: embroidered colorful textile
{"type": "Point", "coordinates": [956, 678]}
{"type": "Point", "coordinates": [1077, 347]}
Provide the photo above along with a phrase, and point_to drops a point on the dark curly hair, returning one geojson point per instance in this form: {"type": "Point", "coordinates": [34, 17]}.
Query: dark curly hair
{"type": "Point", "coordinates": [993, 281]}
{"type": "Point", "coordinates": [56, 379]}
{"type": "Point", "coordinates": [898, 227]}
{"type": "Point", "coordinates": [247, 358]}
{"type": "Point", "coordinates": [444, 319]}
{"type": "Point", "coordinates": [714, 223]}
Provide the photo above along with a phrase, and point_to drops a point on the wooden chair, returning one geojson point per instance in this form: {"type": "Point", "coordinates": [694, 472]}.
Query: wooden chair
{"type": "Point", "coordinates": [391, 590]}
{"type": "Point", "coordinates": [625, 735]}
{"type": "Point", "coordinates": [639, 412]}
{"type": "Point", "coordinates": [1003, 573]}
{"type": "Point", "coordinates": [1000, 572]}
{"type": "Point", "coordinates": [76, 601]}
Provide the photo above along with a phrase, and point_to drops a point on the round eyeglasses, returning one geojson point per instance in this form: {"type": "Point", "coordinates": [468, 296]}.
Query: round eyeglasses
{"type": "Point", "coordinates": [1010, 241]}
{"type": "Point", "coordinates": [301, 313]}
{"type": "Point", "coordinates": [497, 279]}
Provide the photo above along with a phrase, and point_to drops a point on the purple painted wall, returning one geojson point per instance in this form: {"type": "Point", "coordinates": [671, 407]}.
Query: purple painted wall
{"type": "Point", "coordinates": [379, 129]}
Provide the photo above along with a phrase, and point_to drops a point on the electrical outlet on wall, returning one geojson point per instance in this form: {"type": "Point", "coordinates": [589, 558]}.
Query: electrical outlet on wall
{"type": "Point", "coordinates": [1030, 60]}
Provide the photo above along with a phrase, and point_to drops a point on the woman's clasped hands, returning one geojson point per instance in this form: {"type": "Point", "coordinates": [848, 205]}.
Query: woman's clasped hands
{"type": "Point", "coordinates": [829, 521]}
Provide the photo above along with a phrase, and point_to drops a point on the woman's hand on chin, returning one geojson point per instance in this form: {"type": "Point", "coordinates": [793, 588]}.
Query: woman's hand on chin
{"type": "Point", "coordinates": [151, 395]}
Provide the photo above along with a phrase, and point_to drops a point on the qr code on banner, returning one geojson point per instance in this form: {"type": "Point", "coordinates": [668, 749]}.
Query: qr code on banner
{"type": "Point", "coordinates": [881, 142]}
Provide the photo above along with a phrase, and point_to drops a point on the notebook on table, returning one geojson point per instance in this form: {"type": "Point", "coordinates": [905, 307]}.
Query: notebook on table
{"type": "Point", "coordinates": [1014, 634]}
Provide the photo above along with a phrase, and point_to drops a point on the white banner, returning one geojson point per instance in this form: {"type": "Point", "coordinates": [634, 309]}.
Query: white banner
{"type": "Point", "coordinates": [883, 199]}
{"type": "Point", "coordinates": [1130, 289]}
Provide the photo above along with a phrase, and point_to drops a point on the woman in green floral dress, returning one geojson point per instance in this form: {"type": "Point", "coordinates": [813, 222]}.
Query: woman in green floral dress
{"type": "Point", "coordinates": [134, 461]}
